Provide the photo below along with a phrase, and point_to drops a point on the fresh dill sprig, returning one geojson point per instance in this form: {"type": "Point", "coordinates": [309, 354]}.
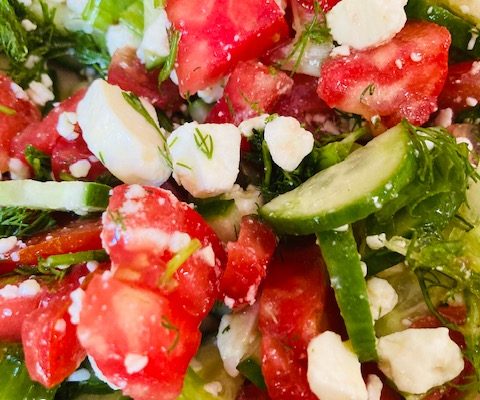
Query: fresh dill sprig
{"type": "Point", "coordinates": [204, 143]}
{"type": "Point", "coordinates": [167, 67]}
{"type": "Point", "coordinates": [23, 222]}
{"type": "Point", "coordinates": [40, 162]}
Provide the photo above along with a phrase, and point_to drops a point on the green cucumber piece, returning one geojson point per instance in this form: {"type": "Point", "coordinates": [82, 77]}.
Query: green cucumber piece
{"type": "Point", "coordinates": [460, 29]}
{"type": "Point", "coordinates": [76, 196]}
{"type": "Point", "coordinates": [468, 9]}
{"type": "Point", "coordinates": [348, 191]}
{"type": "Point", "coordinates": [340, 253]}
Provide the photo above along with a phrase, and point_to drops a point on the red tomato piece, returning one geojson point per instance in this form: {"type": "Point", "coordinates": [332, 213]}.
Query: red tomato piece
{"type": "Point", "coordinates": [400, 79]}
{"type": "Point", "coordinates": [247, 261]}
{"type": "Point", "coordinates": [463, 82]}
{"type": "Point", "coordinates": [325, 5]}
{"type": "Point", "coordinates": [52, 350]}
{"type": "Point", "coordinates": [251, 392]}
{"type": "Point", "coordinates": [66, 153]}
{"type": "Point", "coordinates": [139, 340]}
{"type": "Point", "coordinates": [43, 135]}
{"type": "Point", "coordinates": [144, 227]}
{"type": "Point", "coordinates": [252, 89]}
{"type": "Point", "coordinates": [18, 114]}
{"type": "Point", "coordinates": [130, 74]}
{"type": "Point", "coordinates": [217, 34]}
{"type": "Point", "coordinates": [77, 236]}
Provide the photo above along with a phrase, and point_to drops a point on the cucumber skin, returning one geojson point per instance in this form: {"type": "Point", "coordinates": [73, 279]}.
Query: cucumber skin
{"type": "Point", "coordinates": [353, 212]}
{"type": "Point", "coordinates": [459, 28]}
{"type": "Point", "coordinates": [339, 250]}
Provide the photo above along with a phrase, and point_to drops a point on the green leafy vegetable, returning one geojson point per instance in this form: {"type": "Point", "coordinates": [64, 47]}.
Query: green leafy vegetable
{"type": "Point", "coordinates": [40, 163]}
{"type": "Point", "coordinates": [23, 222]}
{"type": "Point", "coordinates": [102, 13]}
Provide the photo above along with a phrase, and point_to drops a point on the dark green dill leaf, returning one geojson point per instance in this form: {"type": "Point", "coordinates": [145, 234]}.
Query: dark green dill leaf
{"type": "Point", "coordinates": [24, 222]}
{"type": "Point", "coordinates": [174, 39]}
{"type": "Point", "coordinates": [12, 35]}
{"type": "Point", "coordinates": [167, 324]}
{"type": "Point", "coordinates": [164, 153]}
{"type": "Point", "coordinates": [7, 110]}
{"type": "Point", "coordinates": [183, 165]}
{"type": "Point", "coordinates": [164, 121]}
{"type": "Point", "coordinates": [40, 163]}
{"type": "Point", "coordinates": [470, 115]}
{"type": "Point", "coordinates": [204, 143]}
{"type": "Point", "coordinates": [73, 258]}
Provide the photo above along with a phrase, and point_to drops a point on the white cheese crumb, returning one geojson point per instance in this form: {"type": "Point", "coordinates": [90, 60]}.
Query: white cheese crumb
{"type": "Point", "coordinates": [29, 287]}
{"type": "Point", "coordinates": [92, 265]}
{"type": "Point", "coordinates": [342, 50]}
{"type": "Point", "coordinates": [342, 228]}
{"type": "Point", "coordinates": [18, 169]}
{"type": "Point", "coordinates": [288, 142]}
{"type": "Point", "coordinates": [178, 241]}
{"type": "Point", "coordinates": [155, 42]}
{"type": "Point", "coordinates": [135, 363]}
{"type": "Point", "coordinates": [471, 101]}
{"type": "Point", "coordinates": [119, 36]}
{"type": "Point", "coordinates": [8, 244]}
{"type": "Point", "coordinates": [80, 168]}
{"type": "Point", "coordinates": [9, 292]}
{"type": "Point", "coordinates": [229, 302]}
{"type": "Point", "coordinates": [66, 125]}
{"type": "Point", "coordinates": [475, 68]}
{"type": "Point", "coordinates": [417, 360]}
{"type": "Point", "coordinates": [382, 297]}
{"type": "Point", "coordinates": [41, 92]}
{"type": "Point", "coordinates": [135, 192]}
{"type": "Point", "coordinates": [31, 61]}
{"type": "Point", "coordinates": [473, 41]}
{"type": "Point", "coordinates": [75, 308]}
{"type": "Point", "coordinates": [60, 325]}
{"type": "Point", "coordinates": [212, 93]}
{"type": "Point", "coordinates": [79, 375]}
{"type": "Point", "coordinates": [416, 57]}
{"type": "Point", "coordinates": [28, 25]}
{"type": "Point", "coordinates": [376, 242]}
{"type": "Point", "coordinates": [374, 387]}
{"type": "Point", "coordinates": [399, 63]}
{"type": "Point", "coordinates": [364, 268]}
{"type": "Point", "coordinates": [18, 91]}
{"type": "Point", "coordinates": [7, 312]}
{"type": "Point", "coordinates": [444, 118]}
{"type": "Point", "coordinates": [258, 123]}
{"type": "Point", "coordinates": [334, 370]}
{"type": "Point", "coordinates": [207, 255]}
{"type": "Point", "coordinates": [214, 388]}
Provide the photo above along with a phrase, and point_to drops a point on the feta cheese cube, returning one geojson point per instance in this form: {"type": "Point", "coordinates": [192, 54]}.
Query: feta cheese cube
{"type": "Point", "coordinates": [129, 146]}
{"type": "Point", "coordinates": [417, 360]}
{"type": "Point", "coordinates": [212, 93]}
{"type": "Point", "coordinates": [334, 370]}
{"type": "Point", "coordinates": [119, 36]}
{"type": "Point", "coordinates": [80, 168]}
{"type": "Point", "coordinates": [366, 23]}
{"type": "Point", "coordinates": [155, 42]}
{"type": "Point", "coordinates": [257, 123]}
{"type": "Point", "coordinates": [288, 142]}
{"type": "Point", "coordinates": [205, 157]}
{"type": "Point", "coordinates": [381, 296]}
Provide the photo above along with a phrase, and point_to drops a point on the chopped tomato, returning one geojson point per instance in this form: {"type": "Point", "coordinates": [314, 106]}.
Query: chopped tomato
{"type": "Point", "coordinates": [66, 152]}
{"type": "Point", "coordinates": [43, 135]}
{"type": "Point", "coordinates": [291, 313]}
{"type": "Point", "coordinates": [247, 261]}
{"type": "Point", "coordinates": [130, 74]}
{"type": "Point", "coordinates": [77, 236]}
{"type": "Point", "coordinates": [325, 5]}
{"type": "Point", "coordinates": [16, 113]}
{"type": "Point", "coordinates": [251, 392]}
{"type": "Point", "coordinates": [217, 34]}
{"type": "Point", "coordinates": [252, 89]}
{"type": "Point", "coordinates": [140, 341]}
{"type": "Point", "coordinates": [52, 350]}
{"type": "Point", "coordinates": [145, 227]}
{"type": "Point", "coordinates": [462, 87]}
{"type": "Point", "coordinates": [400, 79]}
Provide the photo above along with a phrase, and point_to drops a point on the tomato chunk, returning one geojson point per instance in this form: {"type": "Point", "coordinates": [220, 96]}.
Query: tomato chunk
{"type": "Point", "coordinates": [325, 5]}
{"type": "Point", "coordinates": [43, 135]}
{"type": "Point", "coordinates": [462, 88]}
{"type": "Point", "coordinates": [130, 74]}
{"type": "Point", "coordinates": [217, 34]}
{"type": "Point", "coordinates": [144, 227]}
{"type": "Point", "coordinates": [16, 113]}
{"type": "Point", "coordinates": [400, 79]}
{"type": "Point", "coordinates": [139, 340]}
{"type": "Point", "coordinates": [247, 262]}
{"type": "Point", "coordinates": [252, 89]}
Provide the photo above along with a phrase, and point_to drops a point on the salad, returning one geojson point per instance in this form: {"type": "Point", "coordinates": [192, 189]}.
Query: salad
{"type": "Point", "coordinates": [239, 200]}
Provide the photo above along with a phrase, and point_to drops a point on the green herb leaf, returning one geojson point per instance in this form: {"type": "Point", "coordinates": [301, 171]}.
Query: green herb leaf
{"type": "Point", "coordinates": [23, 222]}
{"type": "Point", "coordinates": [204, 143]}
{"type": "Point", "coordinates": [174, 39]}
{"type": "Point", "coordinates": [40, 163]}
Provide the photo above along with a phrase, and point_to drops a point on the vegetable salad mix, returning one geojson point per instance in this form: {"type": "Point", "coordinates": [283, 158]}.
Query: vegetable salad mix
{"type": "Point", "coordinates": [239, 200]}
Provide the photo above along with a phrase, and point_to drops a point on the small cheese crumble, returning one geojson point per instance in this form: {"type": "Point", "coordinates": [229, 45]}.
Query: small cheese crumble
{"type": "Point", "coordinates": [382, 297]}
{"type": "Point", "coordinates": [41, 92]}
{"type": "Point", "coordinates": [135, 363]}
{"type": "Point", "coordinates": [80, 375]}
{"type": "Point", "coordinates": [80, 168]}
{"type": "Point", "coordinates": [75, 308]}
{"type": "Point", "coordinates": [66, 125]}
{"type": "Point", "coordinates": [18, 169]}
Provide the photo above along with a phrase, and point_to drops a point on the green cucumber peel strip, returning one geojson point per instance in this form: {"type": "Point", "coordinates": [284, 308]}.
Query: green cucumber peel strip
{"type": "Point", "coordinates": [340, 253]}
{"type": "Point", "coordinates": [250, 368]}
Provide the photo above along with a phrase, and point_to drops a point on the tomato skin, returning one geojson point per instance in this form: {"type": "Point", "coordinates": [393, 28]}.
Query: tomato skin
{"type": "Point", "coordinates": [252, 89]}
{"type": "Point", "coordinates": [25, 113]}
{"type": "Point", "coordinates": [250, 392]}
{"type": "Point", "coordinates": [325, 5]}
{"type": "Point", "coordinates": [66, 153]}
{"type": "Point", "coordinates": [139, 252]}
{"type": "Point", "coordinates": [43, 135]}
{"type": "Point", "coordinates": [120, 318]}
{"type": "Point", "coordinates": [130, 74]}
{"type": "Point", "coordinates": [217, 34]}
{"type": "Point", "coordinates": [247, 261]}
{"type": "Point", "coordinates": [370, 82]}
{"type": "Point", "coordinates": [462, 82]}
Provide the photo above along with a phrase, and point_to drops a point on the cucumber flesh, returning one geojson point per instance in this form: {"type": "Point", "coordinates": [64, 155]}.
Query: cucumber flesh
{"type": "Point", "coordinates": [340, 253]}
{"type": "Point", "coordinates": [348, 191]}
{"type": "Point", "coordinates": [76, 196]}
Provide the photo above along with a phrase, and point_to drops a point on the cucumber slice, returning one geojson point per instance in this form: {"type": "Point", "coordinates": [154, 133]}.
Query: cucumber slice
{"type": "Point", "coordinates": [339, 251]}
{"type": "Point", "coordinates": [348, 191]}
{"type": "Point", "coordinates": [469, 9]}
{"type": "Point", "coordinates": [460, 29]}
{"type": "Point", "coordinates": [76, 196]}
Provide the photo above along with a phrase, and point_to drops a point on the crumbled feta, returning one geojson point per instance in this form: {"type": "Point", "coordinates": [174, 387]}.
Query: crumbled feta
{"type": "Point", "coordinates": [207, 254]}
{"type": "Point", "coordinates": [135, 363]}
{"type": "Point", "coordinates": [60, 326]}
{"type": "Point", "coordinates": [80, 168]}
{"type": "Point", "coordinates": [18, 91]}
{"type": "Point", "coordinates": [9, 292]}
{"type": "Point", "coordinates": [214, 388]}
{"type": "Point", "coordinates": [31, 61]}
{"type": "Point", "coordinates": [178, 241]}
{"type": "Point", "coordinates": [29, 287]}
{"type": "Point", "coordinates": [288, 142]}
{"type": "Point", "coordinates": [18, 169]}
{"type": "Point", "coordinates": [79, 375]}
{"type": "Point", "coordinates": [376, 242]}
{"type": "Point", "coordinates": [236, 333]}
{"type": "Point", "coordinates": [399, 63]}
{"type": "Point", "coordinates": [28, 25]}
{"type": "Point", "coordinates": [205, 157]}
{"type": "Point", "coordinates": [416, 57]}
{"type": "Point", "coordinates": [75, 307]}
{"type": "Point", "coordinates": [366, 23]}
{"type": "Point", "coordinates": [444, 118]}
{"type": "Point", "coordinates": [473, 41]}
{"type": "Point", "coordinates": [364, 268]}
{"type": "Point", "coordinates": [155, 42]}
{"type": "Point", "coordinates": [106, 117]}
{"type": "Point", "coordinates": [7, 244]}
{"type": "Point", "coordinates": [258, 123]}
{"type": "Point", "coordinates": [342, 50]}
{"type": "Point", "coordinates": [92, 265]}
{"type": "Point", "coordinates": [475, 68]}
{"type": "Point", "coordinates": [334, 370]}
{"type": "Point", "coordinates": [119, 36]}
{"type": "Point", "coordinates": [471, 101]}
{"type": "Point", "coordinates": [66, 125]}
{"type": "Point", "coordinates": [135, 192]}
{"type": "Point", "coordinates": [418, 359]}
{"type": "Point", "coordinates": [382, 297]}
{"type": "Point", "coordinates": [374, 387]}
{"type": "Point", "coordinates": [212, 93]}
{"type": "Point", "coordinates": [41, 92]}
